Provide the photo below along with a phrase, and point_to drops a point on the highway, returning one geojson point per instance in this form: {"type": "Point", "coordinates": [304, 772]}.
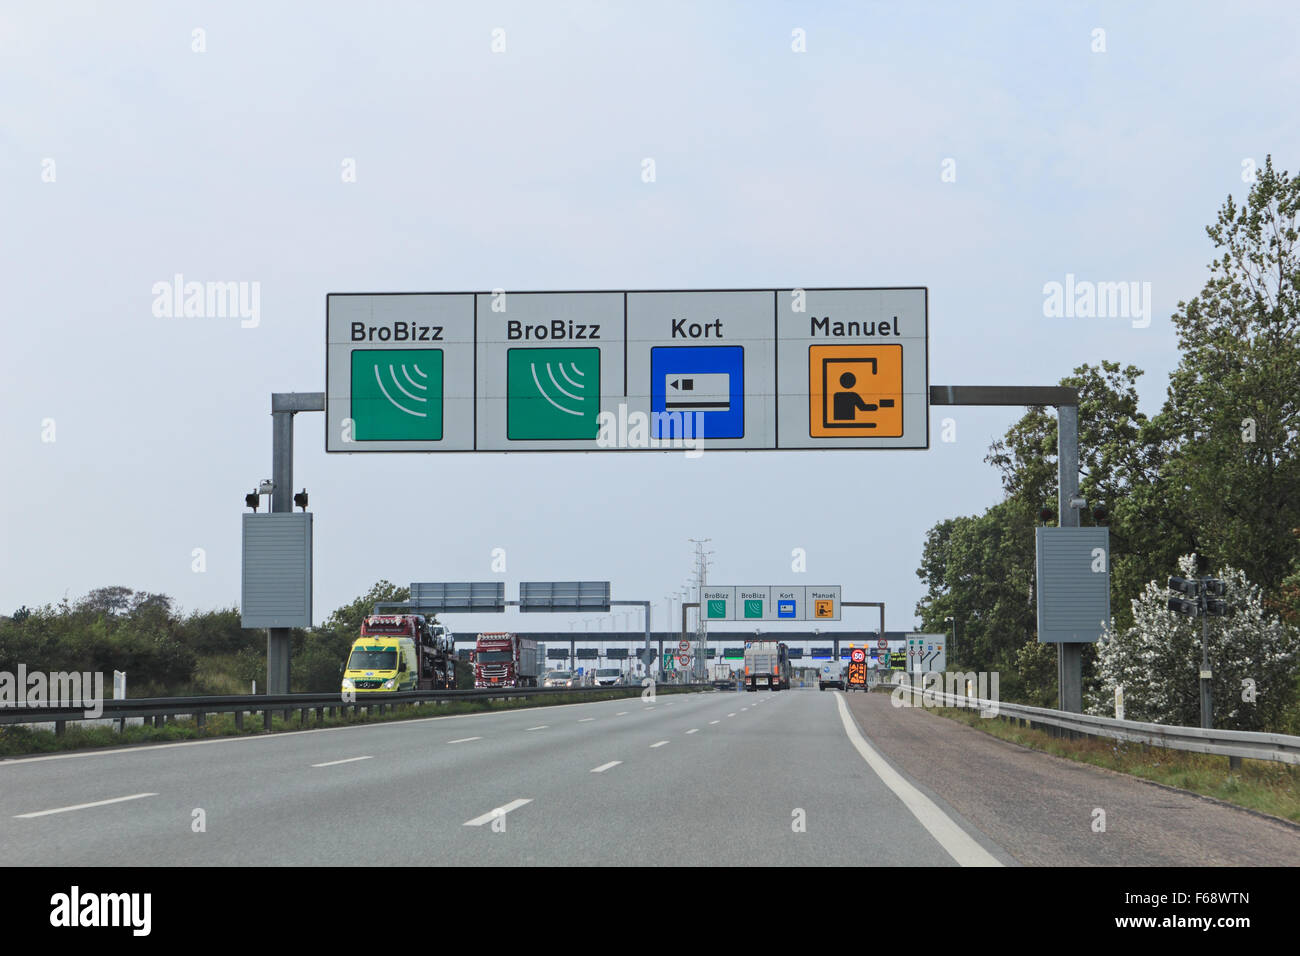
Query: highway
{"type": "Point", "coordinates": [707, 778]}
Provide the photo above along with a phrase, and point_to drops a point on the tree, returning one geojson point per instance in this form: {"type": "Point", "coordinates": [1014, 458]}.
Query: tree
{"type": "Point", "coordinates": [980, 570]}
{"type": "Point", "coordinates": [113, 601]}
{"type": "Point", "coordinates": [346, 620]}
{"type": "Point", "coordinates": [1157, 660]}
{"type": "Point", "coordinates": [1234, 400]}
{"type": "Point", "coordinates": [1036, 665]}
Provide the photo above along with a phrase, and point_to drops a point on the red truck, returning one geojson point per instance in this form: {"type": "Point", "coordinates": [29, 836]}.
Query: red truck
{"type": "Point", "coordinates": [506, 660]}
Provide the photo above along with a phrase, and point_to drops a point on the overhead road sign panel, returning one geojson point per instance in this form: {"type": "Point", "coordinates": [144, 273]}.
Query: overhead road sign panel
{"type": "Point", "coordinates": [853, 368]}
{"type": "Point", "coordinates": [717, 604]}
{"type": "Point", "coordinates": [764, 603]}
{"type": "Point", "coordinates": [476, 596]}
{"type": "Point", "coordinates": [399, 372]}
{"type": "Point", "coordinates": [705, 363]}
{"type": "Point", "coordinates": [564, 596]}
{"type": "Point", "coordinates": [741, 369]}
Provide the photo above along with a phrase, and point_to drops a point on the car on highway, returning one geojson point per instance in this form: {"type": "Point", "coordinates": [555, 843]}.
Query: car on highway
{"type": "Point", "coordinates": [607, 677]}
{"type": "Point", "coordinates": [559, 679]}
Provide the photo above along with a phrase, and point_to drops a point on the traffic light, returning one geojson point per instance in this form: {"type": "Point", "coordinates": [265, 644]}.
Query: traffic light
{"type": "Point", "coordinates": [300, 499]}
{"type": "Point", "coordinates": [1046, 514]}
{"type": "Point", "coordinates": [250, 500]}
{"type": "Point", "coordinates": [1199, 592]}
{"type": "Point", "coordinates": [1099, 514]}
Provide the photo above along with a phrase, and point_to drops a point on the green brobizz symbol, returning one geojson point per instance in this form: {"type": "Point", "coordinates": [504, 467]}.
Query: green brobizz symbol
{"type": "Point", "coordinates": [717, 609]}
{"type": "Point", "coordinates": [552, 393]}
{"type": "Point", "coordinates": [397, 394]}
{"type": "Point", "coordinates": [754, 608]}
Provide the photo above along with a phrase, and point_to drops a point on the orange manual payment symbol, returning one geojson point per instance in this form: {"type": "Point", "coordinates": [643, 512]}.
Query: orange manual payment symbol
{"type": "Point", "coordinates": [824, 609]}
{"type": "Point", "coordinates": [855, 390]}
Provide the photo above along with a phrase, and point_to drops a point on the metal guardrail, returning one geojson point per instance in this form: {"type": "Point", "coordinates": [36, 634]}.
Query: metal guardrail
{"type": "Point", "coordinates": [1254, 745]}
{"type": "Point", "coordinates": [159, 708]}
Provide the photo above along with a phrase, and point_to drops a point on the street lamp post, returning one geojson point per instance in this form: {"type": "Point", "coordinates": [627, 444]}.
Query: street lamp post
{"type": "Point", "coordinates": [954, 635]}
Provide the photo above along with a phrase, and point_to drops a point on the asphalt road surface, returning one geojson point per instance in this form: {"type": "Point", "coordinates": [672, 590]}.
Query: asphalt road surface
{"type": "Point", "coordinates": [792, 778]}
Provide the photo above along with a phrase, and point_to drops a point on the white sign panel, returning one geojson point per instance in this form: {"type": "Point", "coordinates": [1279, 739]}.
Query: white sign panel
{"type": "Point", "coordinates": [926, 654]}
{"type": "Point", "coordinates": [766, 603]}
{"type": "Point", "coordinates": [853, 368]}
{"type": "Point", "coordinates": [399, 373]}
{"type": "Point", "coordinates": [742, 369]}
{"type": "Point", "coordinates": [718, 604]}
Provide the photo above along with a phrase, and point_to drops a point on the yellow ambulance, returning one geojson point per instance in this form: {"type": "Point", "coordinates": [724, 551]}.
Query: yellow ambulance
{"type": "Point", "coordinates": [380, 663]}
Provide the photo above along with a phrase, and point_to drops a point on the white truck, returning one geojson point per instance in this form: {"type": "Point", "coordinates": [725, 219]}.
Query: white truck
{"type": "Point", "coordinates": [767, 664]}
{"type": "Point", "coordinates": [832, 675]}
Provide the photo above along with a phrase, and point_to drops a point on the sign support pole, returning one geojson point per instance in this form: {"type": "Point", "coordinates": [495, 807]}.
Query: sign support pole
{"type": "Point", "coordinates": [284, 405]}
{"type": "Point", "coordinates": [1069, 670]}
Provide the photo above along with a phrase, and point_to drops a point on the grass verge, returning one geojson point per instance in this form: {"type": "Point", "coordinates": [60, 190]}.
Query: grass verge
{"type": "Point", "coordinates": [17, 741]}
{"type": "Point", "coordinates": [1263, 785]}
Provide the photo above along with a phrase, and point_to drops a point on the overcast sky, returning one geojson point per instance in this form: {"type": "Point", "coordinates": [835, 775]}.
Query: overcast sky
{"type": "Point", "coordinates": [980, 150]}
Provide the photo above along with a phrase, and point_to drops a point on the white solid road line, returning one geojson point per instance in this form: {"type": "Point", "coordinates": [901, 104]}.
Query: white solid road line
{"type": "Point", "coordinates": [333, 763]}
{"type": "Point", "coordinates": [463, 740]}
{"type": "Point", "coordinates": [81, 806]}
{"type": "Point", "coordinates": [585, 719]}
{"type": "Point", "coordinates": [957, 842]}
{"type": "Point", "coordinates": [539, 727]}
{"type": "Point", "coordinates": [605, 766]}
{"type": "Point", "coordinates": [660, 744]}
{"type": "Point", "coordinates": [498, 812]}
{"type": "Point", "coordinates": [693, 730]}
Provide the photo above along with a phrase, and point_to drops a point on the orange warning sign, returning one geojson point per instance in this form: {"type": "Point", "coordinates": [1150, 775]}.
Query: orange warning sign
{"type": "Point", "coordinates": [855, 390]}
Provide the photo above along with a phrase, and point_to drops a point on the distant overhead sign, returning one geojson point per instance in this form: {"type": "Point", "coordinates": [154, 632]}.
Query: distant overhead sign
{"type": "Point", "coordinates": [746, 369]}
{"type": "Point", "coordinates": [765, 603]}
{"type": "Point", "coordinates": [564, 596]}
{"type": "Point", "coordinates": [475, 596]}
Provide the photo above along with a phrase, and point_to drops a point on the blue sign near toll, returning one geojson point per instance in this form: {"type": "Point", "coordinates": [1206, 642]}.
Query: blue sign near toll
{"type": "Point", "coordinates": [704, 380]}
{"type": "Point", "coordinates": [785, 608]}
